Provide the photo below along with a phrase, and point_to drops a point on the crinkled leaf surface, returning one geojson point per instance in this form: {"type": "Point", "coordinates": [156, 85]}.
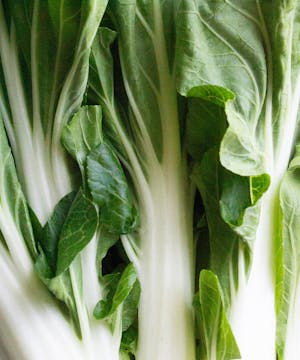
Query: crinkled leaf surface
{"type": "Point", "coordinates": [256, 57]}
{"type": "Point", "coordinates": [238, 56]}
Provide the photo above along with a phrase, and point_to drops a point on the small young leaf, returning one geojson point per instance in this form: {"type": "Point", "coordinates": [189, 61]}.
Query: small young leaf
{"type": "Point", "coordinates": [101, 310]}
{"type": "Point", "coordinates": [126, 284]}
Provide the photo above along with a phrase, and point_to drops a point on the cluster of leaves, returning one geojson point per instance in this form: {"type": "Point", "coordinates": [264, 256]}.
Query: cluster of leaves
{"type": "Point", "coordinates": [171, 90]}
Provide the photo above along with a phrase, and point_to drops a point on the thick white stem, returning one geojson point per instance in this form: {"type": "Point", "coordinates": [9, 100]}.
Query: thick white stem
{"type": "Point", "coordinates": [253, 318]}
{"type": "Point", "coordinates": [166, 266]}
{"type": "Point", "coordinates": [32, 328]}
{"type": "Point", "coordinates": [166, 329]}
{"type": "Point", "coordinates": [101, 335]}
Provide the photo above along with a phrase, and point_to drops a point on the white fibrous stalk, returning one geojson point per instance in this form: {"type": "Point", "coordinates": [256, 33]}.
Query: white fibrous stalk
{"type": "Point", "coordinates": [35, 328]}
{"type": "Point", "coordinates": [164, 260]}
{"type": "Point", "coordinates": [166, 273]}
{"type": "Point", "coordinates": [253, 314]}
{"type": "Point", "coordinates": [254, 302]}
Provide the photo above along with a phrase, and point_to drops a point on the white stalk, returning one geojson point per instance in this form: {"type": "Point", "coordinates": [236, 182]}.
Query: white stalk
{"type": "Point", "coordinates": [27, 312]}
{"type": "Point", "coordinates": [15, 243]}
{"type": "Point", "coordinates": [43, 170]}
{"type": "Point", "coordinates": [165, 262]}
{"type": "Point", "coordinates": [253, 318]}
{"type": "Point", "coordinates": [101, 335]}
{"type": "Point", "coordinates": [255, 301]}
{"type": "Point", "coordinates": [166, 276]}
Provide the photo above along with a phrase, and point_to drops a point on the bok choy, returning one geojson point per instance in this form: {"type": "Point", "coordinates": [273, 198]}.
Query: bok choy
{"type": "Point", "coordinates": [149, 183]}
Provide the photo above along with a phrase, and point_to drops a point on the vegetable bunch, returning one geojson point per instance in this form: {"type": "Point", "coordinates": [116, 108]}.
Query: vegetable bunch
{"type": "Point", "coordinates": [149, 179]}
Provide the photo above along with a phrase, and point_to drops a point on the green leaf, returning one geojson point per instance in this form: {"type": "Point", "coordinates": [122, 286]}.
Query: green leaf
{"type": "Point", "coordinates": [233, 207]}
{"type": "Point", "coordinates": [104, 86]}
{"type": "Point", "coordinates": [129, 340]}
{"type": "Point", "coordinates": [52, 230]}
{"type": "Point", "coordinates": [45, 48]}
{"type": "Point", "coordinates": [250, 58]}
{"type": "Point", "coordinates": [42, 267]}
{"type": "Point", "coordinates": [148, 79]}
{"type": "Point", "coordinates": [102, 310]}
{"type": "Point", "coordinates": [214, 94]}
{"type": "Point", "coordinates": [60, 286]}
{"type": "Point", "coordinates": [232, 219]}
{"type": "Point", "coordinates": [78, 229]}
{"type": "Point", "coordinates": [83, 133]}
{"type": "Point", "coordinates": [230, 200]}
{"type": "Point", "coordinates": [102, 62]}
{"type": "Point", "coordinates": [127, 281]}
{"type": "Point", "coordinates": [56, 57]}
{"type": "Point", "coordinates": [110, 190]}
{"type": "Point", "coordinates": [14, 214]}
{"type": "Point", "coordinates": [252, 49]}
{"type": "Point", "coordinates": [130, 307]}
{"type": "Point", "coordinates": [217, 339]}
{"type": "Point", "coordinates": [212, 49]}
{"type": "Point", "coordinates": [258, 186]}
{"type": "Point", "coordinates": [106, 240]}
{"type": "Point", "coordinates": [212, 130]}
{"type": "Point", "coordinates": [235, 196]}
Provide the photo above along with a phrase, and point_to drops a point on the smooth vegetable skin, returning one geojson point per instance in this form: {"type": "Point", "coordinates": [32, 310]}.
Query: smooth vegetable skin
{"type": "Point", "coordinates": [149, 179]}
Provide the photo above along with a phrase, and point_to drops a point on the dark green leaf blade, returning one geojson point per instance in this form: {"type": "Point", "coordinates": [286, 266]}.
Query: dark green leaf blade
{"type": "Point", "coordinates": [52, 229]}
{"type": "Point", "coordinates": [110, 190]}
{"type": "Point", "coordinates": [79, 228]}
{"type": "Point", "coordinates": [124, 288]}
